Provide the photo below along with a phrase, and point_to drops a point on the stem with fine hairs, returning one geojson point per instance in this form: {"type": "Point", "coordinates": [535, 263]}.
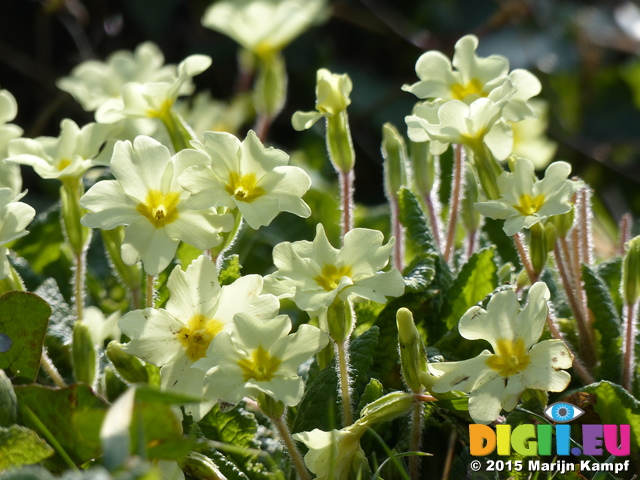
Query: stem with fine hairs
{"type": "Point", "coordinates": [456, 197]}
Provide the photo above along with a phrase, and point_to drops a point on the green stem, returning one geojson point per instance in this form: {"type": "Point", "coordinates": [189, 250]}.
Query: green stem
{"type": "Point", "coordinates": [50, 438]}
{"type": "Point", "coordinates": [228, 237]}
{"type": "Point", "coordinates": [346, 200]}
{"type": "Point", "coordinates": [524, 258]}
{"type": "Point", "coordinates": [78, 285]}
{"type": "Point", "coordinates": [630, 314]}
{"type": "Point", "coordinates": [456, 196]}
{"type": "Point", "coordinates": [150, 291]}
{"type": "Point", "coordinates": [342, 366]}
{"type": "Point", "coordinates": [48, 366]}
{"type": "Point", "coordinates": [417, 423]}
{"type": "Point", "coordinates": [179, 132]}
{"type": "Point", "coordinates": [294, 453]}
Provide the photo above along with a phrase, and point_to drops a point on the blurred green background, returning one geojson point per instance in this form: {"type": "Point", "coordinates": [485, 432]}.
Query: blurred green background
{"type": "Point", "coordinates": [585, 53]}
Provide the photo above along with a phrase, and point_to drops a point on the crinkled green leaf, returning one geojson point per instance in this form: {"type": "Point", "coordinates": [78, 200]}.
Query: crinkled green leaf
{"type": "Point", "coordinates": [615, 406]}
{"type": "Point", "coordinates": [236, 426]}
{"type": "Point", "coordinates": [56, 408]}
{"type": "Point", "coordinates": [373, 391]}
{"type": "Point", "coordinates": [24, 318]}
{"type": "Point", "coordinates": [477, 279]}
{"type": "Point", "coordinates": [606, 322]}
{"type": "Point", "coordinates": [230, 270]}
{"type": "Point", "coordinates": [417, 227]}
{"type": "Point", "coordinates": [505, 248]}
{"type": "Point", "coordinates": [318, 407]}
{"type": "Point", "coordinates": [21, 446]}
{"type": "Point", "coordinates": [420, 275]}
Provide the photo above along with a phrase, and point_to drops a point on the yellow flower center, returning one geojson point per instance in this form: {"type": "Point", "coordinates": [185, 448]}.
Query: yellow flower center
{"type": "Point", "coordinates": [196, 336]}
{"type": "Point", "coordinates": [244, 188]}
{"type": "Point", "coordinates": [461, 91]}
{"type": "Point", "coordinates": [331, 275]}
{"type": "Point", "coordinates": [510, 357]}
{"type": "Point", "coordinates": [161, 112]}
{"type": "Point", "coordinates": [261, 366]}
{"type": "Point", "coordinates": [529, 205]}
{"type": "Point", "coordinates": [160, 208]}
{"type": "Point", "coordinates": [63, 163]}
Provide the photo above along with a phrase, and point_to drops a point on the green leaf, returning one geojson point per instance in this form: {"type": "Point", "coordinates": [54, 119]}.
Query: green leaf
{"type": "Point", "coordinates": [318, 406]}
{"type": "Point", "coordinates": [8, 400]}
{"type": "Point", "coordinates": [607, 323]}
{"type": "Point", "coordinates": [27, 473]}
{"type": "Point", "coordinates": [230, 270]}
{"type": "Point", "coordinates": [56, 409]}
{"type": "Point", "coordinates": [504, 245]}
{"type": "Point", "coordinates": [21, 446]}
{"type": "Point", "coordinates": [615, 406]}
{"type": "Point", "coordinates": [417, 227]}
{"type": "Point", "coordinates": [477, 279]}
{"type": "Point", "coordinates": [373, 391]}
{"type": "Point", "coordinates": [237, 426]}
{"type": "Point", "coordinates": [24, 318]}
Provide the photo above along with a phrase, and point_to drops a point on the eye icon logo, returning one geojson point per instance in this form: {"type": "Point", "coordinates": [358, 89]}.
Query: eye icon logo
{"type": "Point", "coordinates": [563, 412]}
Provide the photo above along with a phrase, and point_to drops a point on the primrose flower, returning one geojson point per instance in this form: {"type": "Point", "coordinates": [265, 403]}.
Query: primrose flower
{"type": "Point", "coordinates": [496, 380]}
{"type": "Point", "coordinates": [529, 139]}
{"type": "Point", "coordinates": [93, 82]}
{"type": "Point", "coordinates": [9, 173]}
{"type": "Point", "coordinates": [247, 176]}
{"type": "Point", "coordinates": [197, 311]}
{"type": "Point", "coordinates": [14, 218]}
{"type": "Point", "coordinates": [264, 27]}
{"type": "Point", "coordinates": [458, 123]}
{"type": "Point", "coordinates": [145, 196]}
{"type": "Point", "coordinates": [336, 454]}
{"type": "Point", "coordinates": [259, 356]}
{"type": "Point", "coordinates": [69, 155]}
{"type": "Point", "coordinates": [152, 99]}
{"type": "Point", "coordinates": [315, 273]}
{"type": "Point", "coordinates": [102, 327]}
{"type": "Point", "coordinates": [525, 201]}
{"type": "Point", "coordinates": [332, 97]}
{"type": "Point", "coordinates": [474, 77]}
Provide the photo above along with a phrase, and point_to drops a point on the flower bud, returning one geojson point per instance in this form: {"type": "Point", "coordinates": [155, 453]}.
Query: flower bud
{"type": "Point", "coordinates": [332, 92]}
{"type": "Point", "coordinates": [83, 353]}
{"type": "Point", "coordinates": [386, 408]}
{"type": "Point", "coordinates": [130, 367]}
{"type": "Point", "coordinates": [413, 358]}
{"type": "Point", "coordinates": [271, 85]}
{"type": "Point", "coordinates": [631, 272]}
{"type": "Point", "coordinates": [76, 233]}
{"type": "Point", "coordinates": [538, 249]}
{"type": "Point", "coordinates": [394, 153]}
{"type": "Point", "coordinates": [424, 168]}
{"type": "Point", "coordinates": [340, 320]}
{"type": "Point", "coordinates": [563, 223]}
{"type": "Point", "coordinates": [339, 143]}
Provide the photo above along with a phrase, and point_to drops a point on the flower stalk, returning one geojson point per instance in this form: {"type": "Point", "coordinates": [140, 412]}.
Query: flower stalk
{"type": "Point", "coordinates": [457, 191]}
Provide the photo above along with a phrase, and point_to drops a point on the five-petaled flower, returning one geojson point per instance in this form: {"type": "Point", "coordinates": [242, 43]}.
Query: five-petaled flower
{"type": "Point", "coordinates": [14, 218]}
{"type": "Point", "coordinates": [256, 180]}
{"type": "Point", "coordinates": [146, 197]}
{"type": "Point", "coordinates": [473, 78]}
{"type": "Point", "coordinates": [197, 311]}
{"type": "Point", "coordinates": [315, 273]}
{"type": "Point", "coordinates": [496, 380]}
{"type": "Point", "coordinates": [525, 201]}
{"type": "Point", "coordinates": [259, 356]}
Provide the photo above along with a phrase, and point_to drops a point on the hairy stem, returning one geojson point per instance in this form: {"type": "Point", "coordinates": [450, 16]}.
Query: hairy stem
{"type": "Point", "coordinates": [52, 371]}
{"type": "Point", "coordinates": [417, 423]}
{"type": "Point", "coordinates": [524, 258]}
{"type": "Point", "coordinates": [346, 200]}
{"type": "Point", "coordinates": [151, 280]}
{"type": "Point", "coordinates": [398, 233]}
{"type": "Point", "coordinates": [630, 333]}
{"type": "Point", "coordinates": [456, 197]}
{"type": "Point", "coordinates": [342, 367]}
{"type": "Point", "coordinates": [294, 453]}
